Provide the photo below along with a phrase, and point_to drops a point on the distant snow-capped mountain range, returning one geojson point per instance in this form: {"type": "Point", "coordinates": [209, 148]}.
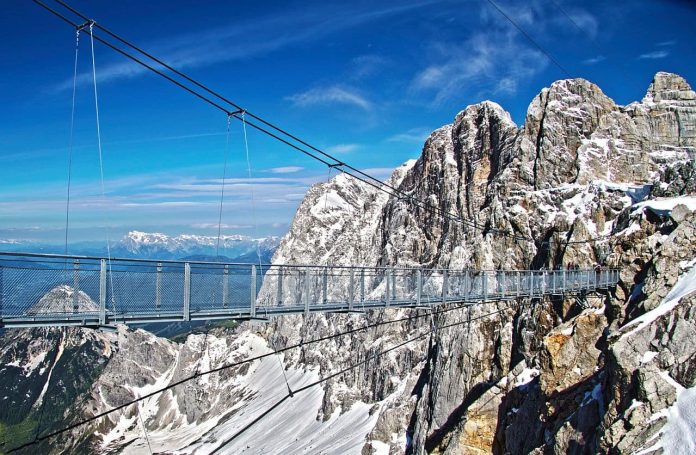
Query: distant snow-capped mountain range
{"type": "Point", "coordinates": [156, 245]}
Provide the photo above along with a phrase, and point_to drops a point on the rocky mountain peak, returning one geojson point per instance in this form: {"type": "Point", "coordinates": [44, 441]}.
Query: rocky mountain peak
{"type": "Point", "coordinates": [593, 374]}
{"type": "Point", "coordinates": [668, 86]}
{"type": "Point", "coordinates": [487, 109]}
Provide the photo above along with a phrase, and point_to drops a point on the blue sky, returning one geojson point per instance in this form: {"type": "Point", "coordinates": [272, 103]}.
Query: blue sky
{"type": "Point", "coordinates": [365, 80]}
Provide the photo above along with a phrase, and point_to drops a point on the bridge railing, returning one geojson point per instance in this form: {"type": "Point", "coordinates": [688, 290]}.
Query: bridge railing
{"type": "Point", "coordinates": [70, 290]}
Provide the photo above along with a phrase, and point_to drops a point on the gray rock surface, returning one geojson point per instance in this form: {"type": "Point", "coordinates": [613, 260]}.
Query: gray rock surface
{"type": "Point", "coordinates": [559, 375]}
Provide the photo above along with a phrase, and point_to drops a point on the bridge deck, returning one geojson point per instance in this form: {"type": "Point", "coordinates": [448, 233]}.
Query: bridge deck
{"type": "Point", "coordinates": [53, 290]}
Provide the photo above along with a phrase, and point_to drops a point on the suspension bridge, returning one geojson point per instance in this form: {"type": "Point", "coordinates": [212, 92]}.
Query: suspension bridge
{"type": "Point", "coordinates": [39, 290]}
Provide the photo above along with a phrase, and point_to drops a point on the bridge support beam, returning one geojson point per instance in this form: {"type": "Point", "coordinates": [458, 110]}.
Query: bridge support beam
{"type": "Point", "coordinates": [419, 287]}
{"type": "Point", "coordinates": [517, 285]}
{"type": "Point", "coordinates": [503, 283]}
{"type": "Point", "coordinates": [102, 292]}
{"type": "Point", "coordinates": [76, 285]}
{"type": "Point", "coordinates": [279, 287]}
{"type": "Point", "coordinates": [362, 286]}
{"type": "Point", "coordinates": [158, 288]}
{"type": "Point", "coordinates": [187, 292]}
{"type": "Point", "coordinates": [467, 285]}
{"type": "Point", "coordinates": [305, 294]}
{"type": "Point", "coordinates": [351, 290]}
{"type": "Point", "coordinates": [387, 296]}
{"type": "Point", "coordinates": [252, 309]}
{"type": "Point", "coordinates": [484, 286]}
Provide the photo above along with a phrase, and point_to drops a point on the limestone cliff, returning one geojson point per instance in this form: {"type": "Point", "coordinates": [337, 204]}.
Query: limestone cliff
{"type": "Point", "coordinates": [583, 181]}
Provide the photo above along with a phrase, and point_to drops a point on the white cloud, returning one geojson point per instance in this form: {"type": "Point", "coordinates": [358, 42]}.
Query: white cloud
{"type": "Point", "coordinates": [417, 135]}
{"type": "Point", "coordinates": [366, 65]}
{"type": "Point", "coordinates": [239, 40]}
{"type": "Point", "coordinates": [335, 94]}
{"type": "Point", "coordinates": [285, 169]}
{"type": "Point", "coordinates": [653, 55]}
{"type": "Point", "coordinates": [497, 59]}
{"type": "Point", "coordinates": [594, 60]}
{"type": "Point", "coordinates": [342, 148]}
{"type": "Point", "coordinates": [506, 85]}
{"type": "Point", "coordinates": [494, 61]}
{"type": "Point", "coordinates": [667, 43]}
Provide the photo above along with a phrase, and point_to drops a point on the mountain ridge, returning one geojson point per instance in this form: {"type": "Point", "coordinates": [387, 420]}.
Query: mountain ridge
{"type": "Point", "coordinates": [556, 375]}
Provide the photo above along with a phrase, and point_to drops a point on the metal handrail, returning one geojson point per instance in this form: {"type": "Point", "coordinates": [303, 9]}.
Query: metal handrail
{"type": "Point", "coordinates": [85, 292]}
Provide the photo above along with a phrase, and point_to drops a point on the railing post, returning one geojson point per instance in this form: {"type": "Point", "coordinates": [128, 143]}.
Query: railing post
{"type": "Point", "coordinates": [2, 291]}
{"type": "Point", "coordinates": [502, 284]}
{"type": "Point", "coordinates": [102, 292]}
{"type": "Point", "coordinates": [305, 294]}
{"type": "Point", "coordinates": [467, 285]}
{"type": "Point", "coordinates": [564, 281]}
{"type": "Point", "coordinates": [386, 302]}
{"type": "Point", "coordinates": [517, 286]}
{"type": "Point", "coordinates": [225, 286]}
{"type": "Point", "coordinates": [351, 290]}
{"type": "Point", "coordinates": [544, 278]}
{"type": "Point", "coordinates": [419, 286]}
{"type": "Point", "coordinates": [362, 286]}
{"type": "Point", "coordinates": [325, 285]}
{"type": "Point", "coordinates": [76, 284]}
{"type": "Point", "coordinates": [187, 292]}
{"type": "Point", "coordinates": [158, 287]}
{"type": "Point", "coordinates": [279, 290]}
{"type": "Point", "coordinates": [444, 286]}
{"type": "Point", "coordinates": [252, 293]}
{"type": "Point", "coordinates": [298, 286]}
{"type": "Point", "coordinates": [484, 286]}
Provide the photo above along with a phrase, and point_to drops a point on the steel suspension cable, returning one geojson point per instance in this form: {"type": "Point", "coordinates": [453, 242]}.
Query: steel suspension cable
{"type": "Point", "coordinates": [326, 158]}
{"type": "Point", "coordinates": [352, 171]}
{"type": "Point", "coordinates": [251, 189]}
{"type": "Point", "coordinates": [101, 164]}
{"type": "Point", "coordinates": [222, 189]}
{"type": "Point", "coordinates": [352, 367]}
{"type": "Point", "coordinates": [594, 42]}
{"type": "Point", "coordinates": [229, 365]}
{"type": "Point", "coordinates": [529, 38]}
{"type": "Point", "coordinates": [70, 145]}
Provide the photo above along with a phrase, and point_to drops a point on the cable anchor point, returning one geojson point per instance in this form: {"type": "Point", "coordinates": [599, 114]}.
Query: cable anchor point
{"type": "Point", "coordinates": [89, 24]}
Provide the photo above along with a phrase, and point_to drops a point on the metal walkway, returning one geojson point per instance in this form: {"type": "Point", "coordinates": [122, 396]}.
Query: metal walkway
{"type": "Point", "coordinates": [39, 290]}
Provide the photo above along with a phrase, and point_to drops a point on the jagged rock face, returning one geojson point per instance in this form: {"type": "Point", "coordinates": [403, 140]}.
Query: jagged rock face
{"type": "Point", "coordinates": [43, 374]}
{"type": "Point", "coordinates": [557, 123]}
{"type": "Point", "coordinates": [458, 164]}
{"type": "Point", "coordinates": [325, 229]}
{"type": "Point", "coordinates": [552, 376]}
{"type": "Point", "coordinates": [572, 172]}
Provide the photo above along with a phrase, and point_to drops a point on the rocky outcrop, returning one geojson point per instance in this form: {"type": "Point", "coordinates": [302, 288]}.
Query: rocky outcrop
{"type": "Point", "coordinates": [577, 183]}
{"type": "Point", "coordinates": [64, 299]}
{"type": "Point", "coordinates": [573, 172]}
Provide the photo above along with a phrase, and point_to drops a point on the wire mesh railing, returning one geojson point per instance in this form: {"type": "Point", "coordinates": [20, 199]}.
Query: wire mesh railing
{"type": "Point", "coordinates": [55, 290]}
